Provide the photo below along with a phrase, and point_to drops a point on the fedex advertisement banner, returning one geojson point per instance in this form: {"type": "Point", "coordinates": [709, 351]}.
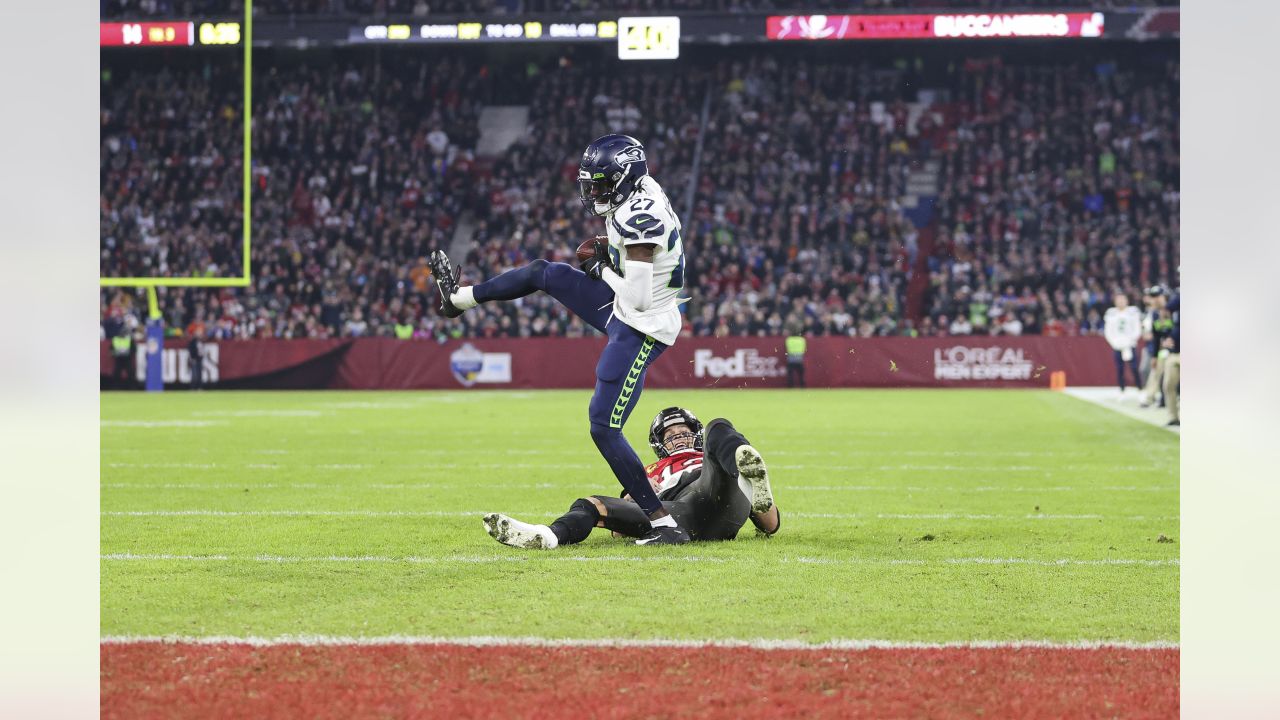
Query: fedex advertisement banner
{"type": "Point", "coordinates": [387, 363]}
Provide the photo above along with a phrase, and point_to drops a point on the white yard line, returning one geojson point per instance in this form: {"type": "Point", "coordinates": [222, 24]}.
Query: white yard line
{"type": "Point", "coordinates": [259, 413]}
{"type": "Point", "coordinates": [478, 513]}
{"type": "Point", "coordinates": [753, 644]}
{"type": "Point", "coordinates": [159, 423]}
{"type": "Point", "coordinates": [555, 465]}
{"type": "Point", "coordinates": [162, 556]}
{"type": "Point", "coordinates": [567, 486]}
{"type": "Point", "coordinates": [214, 486]}
{"type": "Point", "coordinates": [1107, 397]}
{"type": "Point", "coordinates": [298, 513]}
{"type": "Point", "coordinates": [972, 516]}
{"type": "Point", "coordinates": [351, 466]}
{"type": "Point", "coordinates": [980, 488]}
{"type": "Point", "coordinates": [553, 556]}
{"type": "Point", "coordinates": [989, 469]}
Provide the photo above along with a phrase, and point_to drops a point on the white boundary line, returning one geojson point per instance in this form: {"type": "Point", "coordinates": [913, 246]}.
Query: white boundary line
{"type": "Point", "coordinates": [479, 513]}
{"type": "Point", "coordinates": [756, 644]}
{"type": "Point", "coordinates": [551, 557]}
{"type": "Point", "coordinates": [159, 423]}
{"type": "Point", "coordinates": [557, 466]}
{"type": "Point", "coordinates": [1106, 397]}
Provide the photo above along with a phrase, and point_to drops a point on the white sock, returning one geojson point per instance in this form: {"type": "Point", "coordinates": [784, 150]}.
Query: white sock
{"type": "Point", "coordinates": [463, 298]}
{"type": "Point", "coordinates": [548, 536]}
{"type": "Point", "coordinates": [664, 521]}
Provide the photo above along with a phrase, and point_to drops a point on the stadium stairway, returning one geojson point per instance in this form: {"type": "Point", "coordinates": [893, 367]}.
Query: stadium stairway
{"type": "Point", "coordinates": [922, 188]}
{"type": "Point", "coordinates": [917, 205]}
{"type": "Point", "coordinates": [500, 127]}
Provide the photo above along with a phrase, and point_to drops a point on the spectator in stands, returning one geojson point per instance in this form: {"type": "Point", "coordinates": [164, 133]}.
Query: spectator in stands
{"type": "Point", "coordinates": [1007, 323]}
{"type": "Point", "coordinates": [404, 328]}
{"type": "Point", "coordinates": [170, 180]}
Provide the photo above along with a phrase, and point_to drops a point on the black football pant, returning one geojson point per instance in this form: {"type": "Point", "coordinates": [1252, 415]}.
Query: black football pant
{"type": "Point", "coordinates": [120, 370]}
{"type": "Point", "coordinates": [1133, 365]}
{"type": "Point", "coordinates": [795, 374]}
{"type": "Point", "coordinates": [710, 508]}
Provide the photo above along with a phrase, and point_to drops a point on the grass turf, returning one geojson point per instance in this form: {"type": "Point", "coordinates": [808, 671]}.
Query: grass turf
{"type": "Point", "coordinates": [907, 515]}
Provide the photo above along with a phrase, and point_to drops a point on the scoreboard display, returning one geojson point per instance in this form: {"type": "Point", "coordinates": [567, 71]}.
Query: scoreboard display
{"type": "Point", "coordinates": [147, 33]}
{"type": "Point", "coordinates": [173, 33]}
{"type": "Point", "coordinates": [648, 38]}
{"type": "Point", "coordinates": [476, 31]}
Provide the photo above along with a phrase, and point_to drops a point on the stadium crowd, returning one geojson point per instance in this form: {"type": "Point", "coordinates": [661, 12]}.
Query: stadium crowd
{"type": "Point", "coordinates": [1058, 183]}
{"type": "Point", "coordinates": [348, 174]}
{"type": "Point", "coordinates": [1059, 188]}
{"type": "Point", "coordinates": [170, 172]}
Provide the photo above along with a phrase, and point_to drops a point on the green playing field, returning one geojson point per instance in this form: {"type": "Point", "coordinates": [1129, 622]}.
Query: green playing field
{"type": "Point", "coordinates": [907, 515]}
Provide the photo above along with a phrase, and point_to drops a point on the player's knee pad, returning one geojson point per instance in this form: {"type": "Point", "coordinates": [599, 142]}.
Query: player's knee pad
{"type": "Point", "coordinates": [586, 505]}
{"type": "Point", "coordinates": [717, 428]}
{"type": "Point", "coordinates": [538, 269]}
{"type": "Point", "coordinates": [601, 431]}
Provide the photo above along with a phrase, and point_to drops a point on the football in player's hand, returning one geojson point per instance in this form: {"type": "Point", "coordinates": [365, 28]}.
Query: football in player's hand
{"type": "Point", "coordinates": [587, 249]}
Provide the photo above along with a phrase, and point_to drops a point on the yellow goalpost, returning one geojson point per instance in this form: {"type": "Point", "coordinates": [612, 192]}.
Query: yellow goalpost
{"type": "Point", "coordinates": [151, 283]}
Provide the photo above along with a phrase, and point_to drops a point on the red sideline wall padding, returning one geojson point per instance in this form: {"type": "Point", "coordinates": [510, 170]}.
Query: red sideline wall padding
{"type": "Point", "coordinates": [387, 363]}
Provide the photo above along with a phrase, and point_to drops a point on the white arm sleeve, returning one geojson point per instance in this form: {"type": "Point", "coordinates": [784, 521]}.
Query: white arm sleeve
{"type": "Point", "coordinates": [636, 289]}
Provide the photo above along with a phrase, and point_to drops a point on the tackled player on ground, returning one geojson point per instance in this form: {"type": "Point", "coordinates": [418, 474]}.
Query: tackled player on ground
{"type": "Point", "coordinates": [711, 480]}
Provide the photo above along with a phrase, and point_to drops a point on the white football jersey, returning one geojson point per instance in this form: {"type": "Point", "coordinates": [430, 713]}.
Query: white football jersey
{"type": "Point", "coordinates": [647, 218]}
{"type": "Point", "coordinates": [1122, 328]}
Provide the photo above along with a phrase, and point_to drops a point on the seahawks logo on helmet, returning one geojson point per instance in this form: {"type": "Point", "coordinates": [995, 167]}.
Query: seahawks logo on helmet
{"type": "Point", "coordinates": [607, 175]}
{"type": "Point", "coordinates": [635, 153]}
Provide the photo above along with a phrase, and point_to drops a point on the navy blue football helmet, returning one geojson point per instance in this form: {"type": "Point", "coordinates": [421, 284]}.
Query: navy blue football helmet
{"type": "Point", "coordinates": [610, 168]}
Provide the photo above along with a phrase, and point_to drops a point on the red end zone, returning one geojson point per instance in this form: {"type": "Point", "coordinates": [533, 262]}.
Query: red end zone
{"type": "Point", "coordinates": [149, 679]}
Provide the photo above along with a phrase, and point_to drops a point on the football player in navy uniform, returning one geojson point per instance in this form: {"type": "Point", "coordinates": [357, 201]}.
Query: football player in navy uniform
{"type": "Point", "coordinates": [629, 290]}
{"type": "Point", "coordinates": [712, 481]}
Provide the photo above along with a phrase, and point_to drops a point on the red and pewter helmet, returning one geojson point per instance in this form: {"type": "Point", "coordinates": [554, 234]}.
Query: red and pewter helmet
{"type": "Point", "coordinates": [667, 418]}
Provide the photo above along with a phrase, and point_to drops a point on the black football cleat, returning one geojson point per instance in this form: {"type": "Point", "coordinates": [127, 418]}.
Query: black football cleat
{"type": "Point", "coordinates": [665, 535]}
{"type": "Point", "coordinates": [446, 281]}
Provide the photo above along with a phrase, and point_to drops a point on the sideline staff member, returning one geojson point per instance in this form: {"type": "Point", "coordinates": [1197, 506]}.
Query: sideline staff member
{"type": "Point", "coordinates": [796, 345]}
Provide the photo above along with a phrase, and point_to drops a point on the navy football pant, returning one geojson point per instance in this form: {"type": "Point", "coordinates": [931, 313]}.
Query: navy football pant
{"type": "Point", "coordinates": [1133, 365]}
{"type": "Point", "coordinates": [619, 373]}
